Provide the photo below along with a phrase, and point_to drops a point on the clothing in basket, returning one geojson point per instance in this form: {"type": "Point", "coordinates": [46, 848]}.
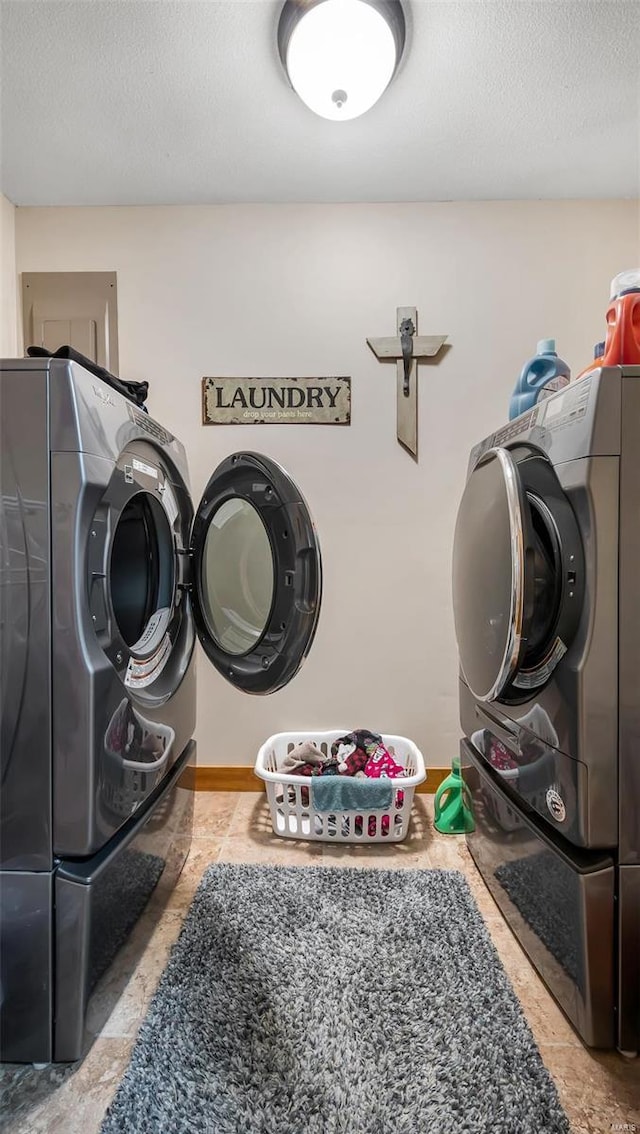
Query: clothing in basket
{"type": "Point", "coordinates": [293, 811]}
{"type": "Point", "coordinates": [359, 755]}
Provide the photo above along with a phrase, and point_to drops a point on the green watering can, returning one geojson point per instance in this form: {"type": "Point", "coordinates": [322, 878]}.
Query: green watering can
{"type": "Point", "coordinates": [452, 804]}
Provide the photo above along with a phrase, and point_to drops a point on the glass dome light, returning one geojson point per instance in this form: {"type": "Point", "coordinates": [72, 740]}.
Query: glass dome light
{"type": "Point", "coordinates": [340, 55]}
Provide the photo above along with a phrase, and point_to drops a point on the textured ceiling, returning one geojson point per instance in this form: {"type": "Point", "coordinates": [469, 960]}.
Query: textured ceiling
{"type": "Point", "coordinates": [121, 102]}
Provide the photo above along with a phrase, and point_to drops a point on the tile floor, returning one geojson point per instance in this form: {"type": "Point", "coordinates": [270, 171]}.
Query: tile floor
{"type": "Point", "coordinates": [600, 1091]}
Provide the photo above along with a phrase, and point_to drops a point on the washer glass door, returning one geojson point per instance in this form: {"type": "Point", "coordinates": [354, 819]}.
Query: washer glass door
{"type": "Point", "coordinates": [257, 577]}
{"type": "Point", "coordinates": [238, 576]}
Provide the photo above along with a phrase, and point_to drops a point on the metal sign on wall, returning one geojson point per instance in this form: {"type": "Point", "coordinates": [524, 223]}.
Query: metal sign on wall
{"type": "Point", "coordinates": [276, 401]}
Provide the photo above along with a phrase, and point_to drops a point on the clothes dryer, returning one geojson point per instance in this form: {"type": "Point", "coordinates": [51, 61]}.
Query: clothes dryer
{"type": "Point", "coordinates": [545, 568]}
{"type": "Point", "coordinates": [108, 576]}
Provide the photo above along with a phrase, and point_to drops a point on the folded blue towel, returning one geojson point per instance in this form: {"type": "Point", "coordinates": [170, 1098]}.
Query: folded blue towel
{"type": "Point", "coordinates": [343, 793]}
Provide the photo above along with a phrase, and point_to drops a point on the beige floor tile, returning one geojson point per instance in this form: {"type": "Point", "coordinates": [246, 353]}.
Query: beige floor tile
{"type": "Point", "coordinates": [213, 813]}
{"type": "Point", "coordinates": [421, 826]}
{"type": "Point", "coordinates": [252, 815]}
{"type": "Point", "coordinates": [252, 840]}
{"type": "Point", "coordinates": [449, 852]}
{"type": "Point", "coordinates": [77, 1103]}
{"type": "Point", "coordinates": [600, 1091]}
{"type": "Point", "coordinates": [384, 856]}
{"type": "Point", "coordinates": [270, 850]}
{"type": "Point", "coordinates": [203, 853]}
{"type": "Point", "coordinates": [120, 1003]}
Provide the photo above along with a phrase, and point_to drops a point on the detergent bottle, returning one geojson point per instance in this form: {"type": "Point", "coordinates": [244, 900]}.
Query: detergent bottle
{"type": "Point", "coordinates": [622, 344]}
{"type": "Point", "coordinates": [540, 377]}
{"type": "Point", "coordinates": [452, 805]}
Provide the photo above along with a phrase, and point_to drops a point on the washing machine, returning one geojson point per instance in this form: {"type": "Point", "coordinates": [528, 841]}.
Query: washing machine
{"type": "Point", "coordinates": [546, 597]}
{"type": "Point", "coordinates": [108, 574]}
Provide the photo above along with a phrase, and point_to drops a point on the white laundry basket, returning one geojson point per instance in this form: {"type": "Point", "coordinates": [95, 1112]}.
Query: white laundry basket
{"type": "Point", "coordinates": [290, 797]}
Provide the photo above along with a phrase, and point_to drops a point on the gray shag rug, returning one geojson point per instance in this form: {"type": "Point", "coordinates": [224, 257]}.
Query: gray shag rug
{"type": "Point", "coordinates": [313, 1000]}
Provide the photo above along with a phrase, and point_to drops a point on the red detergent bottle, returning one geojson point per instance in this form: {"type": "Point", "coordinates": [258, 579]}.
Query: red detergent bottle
{"type": "Point", "coordinates": [622, 344]}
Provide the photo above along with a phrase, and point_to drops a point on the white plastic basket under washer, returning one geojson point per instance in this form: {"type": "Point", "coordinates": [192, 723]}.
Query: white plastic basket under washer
{"type": "Point", "coordinates": [290, 797]}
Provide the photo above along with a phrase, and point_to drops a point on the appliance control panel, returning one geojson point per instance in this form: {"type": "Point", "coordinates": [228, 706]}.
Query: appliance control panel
{"type": "Point", "coordinates": [567, 406]}
{"type": "Point", "coordinates": [546, 424]}
{"type": "Point", "coordinates": [523, 424]}
{"type": "Point", "coordinates": [143, 421]}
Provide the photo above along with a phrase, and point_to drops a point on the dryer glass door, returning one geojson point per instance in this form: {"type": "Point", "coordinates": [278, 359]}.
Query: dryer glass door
{"type": "Point", "coordinates": [256, 584]}
{"type": "Point", "coordinates": [518, 575]}
{"type": "Point", "coordinates": [491, 586]}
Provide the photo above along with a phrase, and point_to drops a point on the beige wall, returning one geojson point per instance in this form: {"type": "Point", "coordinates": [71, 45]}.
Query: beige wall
{"type": "Point", "coordinates": [8, 280]}
{"type": "Point", "coordinates": [272, 290]}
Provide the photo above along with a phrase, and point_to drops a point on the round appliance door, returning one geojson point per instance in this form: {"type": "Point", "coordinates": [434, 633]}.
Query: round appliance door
{"type": "Point", "coordinates": [138, 535]}
{"type": "Point", "coordinates": [142, 572]}
{"type": "Point", "coordinates": [257, 577]}
{"type": "Point", "coordinates": [518, 574]}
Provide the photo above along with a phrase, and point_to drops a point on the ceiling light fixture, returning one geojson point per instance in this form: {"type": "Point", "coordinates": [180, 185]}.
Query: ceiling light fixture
{"type": "Point", "coordinates": [340, 55]}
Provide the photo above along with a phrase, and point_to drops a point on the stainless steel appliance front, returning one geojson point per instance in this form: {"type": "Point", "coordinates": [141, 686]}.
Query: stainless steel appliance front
{"type": "Point", "coordinates": [550, 723]}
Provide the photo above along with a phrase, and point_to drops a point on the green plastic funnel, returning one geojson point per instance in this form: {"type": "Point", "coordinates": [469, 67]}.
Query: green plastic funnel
{"type": "Point", "coordinates": [452, 804]}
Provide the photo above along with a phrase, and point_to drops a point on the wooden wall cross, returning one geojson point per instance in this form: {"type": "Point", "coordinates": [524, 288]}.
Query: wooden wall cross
{"type": "Point", "coordinates": [406, 348]}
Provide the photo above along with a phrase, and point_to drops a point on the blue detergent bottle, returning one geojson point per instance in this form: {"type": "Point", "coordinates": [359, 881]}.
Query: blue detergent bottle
{"type": "Point", "coordinates": [540, 377]}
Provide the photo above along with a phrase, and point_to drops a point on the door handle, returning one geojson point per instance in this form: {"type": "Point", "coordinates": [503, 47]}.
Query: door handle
{"type": "Point", "coordinates": [508, 736]}
{"type": "Point", "coordinates": [308, 597]}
